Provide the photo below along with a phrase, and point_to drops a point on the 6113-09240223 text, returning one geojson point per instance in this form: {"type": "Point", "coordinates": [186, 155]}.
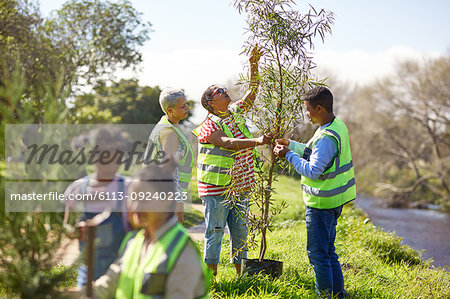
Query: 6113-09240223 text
{"type": "Point", "coordinates": [51, 196]}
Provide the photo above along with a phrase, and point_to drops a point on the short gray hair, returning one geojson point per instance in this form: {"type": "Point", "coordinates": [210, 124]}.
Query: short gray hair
{"type": "Point", "coordinates": [169, 97]}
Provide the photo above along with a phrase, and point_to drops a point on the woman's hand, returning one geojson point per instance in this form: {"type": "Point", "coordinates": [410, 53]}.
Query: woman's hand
{"type": "Point", "coordinates": [255, 55]}
{"type": "Point", "coordinates": [282, 141]}
{"type": "Point", "coordinates": [250, 96]}
{"type": "Point", "coordinates": [265, 139]}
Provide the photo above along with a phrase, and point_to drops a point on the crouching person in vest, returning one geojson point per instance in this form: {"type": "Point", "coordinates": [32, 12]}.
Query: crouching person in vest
{"type": "Point", "coordinates": [328, 182]}
{"type": "Point", "coordinates": [159, 260]}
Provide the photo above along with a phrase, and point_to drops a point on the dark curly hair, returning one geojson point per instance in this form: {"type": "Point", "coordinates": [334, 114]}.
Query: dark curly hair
{"type": "Point", "coordinates": [206, 97]}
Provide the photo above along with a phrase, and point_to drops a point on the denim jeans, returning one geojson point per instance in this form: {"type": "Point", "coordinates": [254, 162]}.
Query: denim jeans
{"type": "Point", "coordinates": [217, 215]}
{"type": "Point", "coordinates": [108, 238]}
{"type": "Point", "coordinates": [321, 233]}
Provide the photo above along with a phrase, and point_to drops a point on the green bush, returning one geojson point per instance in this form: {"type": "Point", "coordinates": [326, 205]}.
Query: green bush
{"type": "Point", "coordinates": [389, 248]}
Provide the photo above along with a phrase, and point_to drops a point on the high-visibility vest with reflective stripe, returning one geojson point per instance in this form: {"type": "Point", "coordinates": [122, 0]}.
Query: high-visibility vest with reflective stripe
{"type": "Point", "coordinates": [185, 165]}
{"type": "Point", "coordinates": [336, 186]}
{"type": "Point", "coordinates": [148, 277]}
{"type": "Point", "coordinates": [214, 163]}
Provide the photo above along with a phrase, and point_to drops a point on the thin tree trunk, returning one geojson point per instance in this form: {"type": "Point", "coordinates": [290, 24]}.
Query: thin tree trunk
{"type": "Point", "coordinates": [268, 191]}
{"type": "Point", "coordinates": [267, 195]}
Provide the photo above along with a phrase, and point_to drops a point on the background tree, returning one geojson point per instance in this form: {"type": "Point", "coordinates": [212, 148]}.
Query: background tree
{"type": "Point", "coordinates": [83, 41]}
{"type": "Point", "coordinates": [124, 102]}
{"type": "Point", "coordinates": [41, 63]}
{"type": "Point", "coordinates": [26, 57]}
{"type": "Point", "coordinates": [406, 119]}
{"type": "Point", "coordinates": [95, 37]}
{"type": "Point", "coordinates": [286, 37]}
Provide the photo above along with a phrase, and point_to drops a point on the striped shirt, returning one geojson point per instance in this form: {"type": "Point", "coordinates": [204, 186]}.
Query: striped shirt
{"type": "Point", "coordinates": [243, 170]}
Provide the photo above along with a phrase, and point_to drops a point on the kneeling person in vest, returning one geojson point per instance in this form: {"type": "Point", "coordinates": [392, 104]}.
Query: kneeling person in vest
{"type": "Point", "coordinates": [159, 260]}
{"type": "Point", "coordinates": [328, 182]}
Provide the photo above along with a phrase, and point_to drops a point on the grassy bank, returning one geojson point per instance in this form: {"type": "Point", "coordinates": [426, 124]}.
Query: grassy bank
{"type": "Point", "coordinates": [375, 264]}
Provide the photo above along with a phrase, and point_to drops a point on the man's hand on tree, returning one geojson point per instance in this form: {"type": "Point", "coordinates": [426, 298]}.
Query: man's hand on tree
{"type": "Point", "coordinates": [280, 150]}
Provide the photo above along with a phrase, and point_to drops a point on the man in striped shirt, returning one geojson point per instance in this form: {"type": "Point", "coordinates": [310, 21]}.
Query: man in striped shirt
{"type": "Point", "coordinates": [225, 167]}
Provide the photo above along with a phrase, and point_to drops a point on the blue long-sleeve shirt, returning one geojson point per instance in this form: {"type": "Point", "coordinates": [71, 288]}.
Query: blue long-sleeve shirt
{"type": "Point", "coordinates": [322, 155]}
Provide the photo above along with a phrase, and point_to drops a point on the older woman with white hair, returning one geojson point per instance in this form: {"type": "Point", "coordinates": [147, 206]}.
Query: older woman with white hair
{"type": "Point", "coordinates": [168, 139]}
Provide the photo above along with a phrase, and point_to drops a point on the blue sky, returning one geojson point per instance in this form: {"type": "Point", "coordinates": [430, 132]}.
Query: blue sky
{"type": "Point", "coordinates": [197, 43]}
{"type": "Point", "coordinates": [378, 25]}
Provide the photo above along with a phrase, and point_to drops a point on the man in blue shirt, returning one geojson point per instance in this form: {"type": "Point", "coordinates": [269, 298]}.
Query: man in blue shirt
{"type": "Point", "coordinates": [326, 167]}
{"type": "Point", "coordinates": [323, 153]}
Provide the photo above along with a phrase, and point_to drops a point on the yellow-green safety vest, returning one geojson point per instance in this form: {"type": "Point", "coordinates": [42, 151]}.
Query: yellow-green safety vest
{"type": "Point", "coordinates": [336, 186]}
{"type": "Point", "coordinates": [148, 278]}
{"type": "Point", "coordinates": [185, 165]}
{"type": "Point", "coordinates": [214, 163]}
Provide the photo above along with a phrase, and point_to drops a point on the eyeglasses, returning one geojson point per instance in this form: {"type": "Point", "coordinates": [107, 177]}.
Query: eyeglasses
{"type": "Point", "coordinates": [219, 91]}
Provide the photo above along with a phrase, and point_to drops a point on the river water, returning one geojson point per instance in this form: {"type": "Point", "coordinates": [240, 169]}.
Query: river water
{"type": "Point", "coordinates": [427, 230]}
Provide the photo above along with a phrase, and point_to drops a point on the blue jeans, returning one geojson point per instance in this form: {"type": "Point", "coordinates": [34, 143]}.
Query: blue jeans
{"type": "Point", "coordinates": [217, 215]}
{"type": "Point", "coordinates": [321, 233]}
{"type": "Point", "coordinates": [108, 238]}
